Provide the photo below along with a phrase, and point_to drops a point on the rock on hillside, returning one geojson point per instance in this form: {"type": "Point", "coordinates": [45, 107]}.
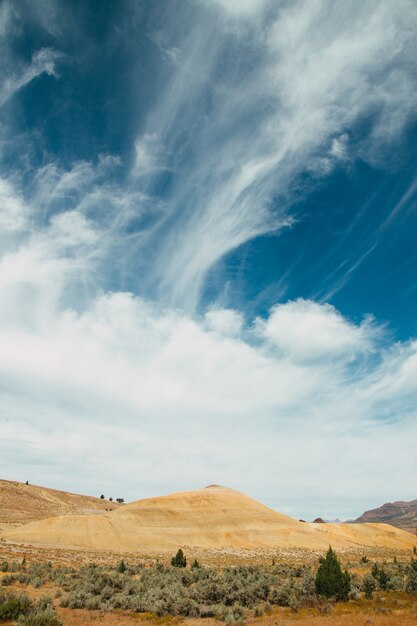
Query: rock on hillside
{"type": "Point", "coordinates": [399, 514]}
{"type": "Point", "coordinates": [25, 503]}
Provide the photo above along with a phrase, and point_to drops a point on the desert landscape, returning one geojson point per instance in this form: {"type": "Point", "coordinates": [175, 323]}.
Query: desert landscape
{"type": "Point", "coordinates": [210, 554]}
{"type": "Point", "coordinates": [208, 296]}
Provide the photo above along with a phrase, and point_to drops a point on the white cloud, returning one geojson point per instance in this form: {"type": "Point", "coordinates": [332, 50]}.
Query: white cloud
{"type": "Point", "coordinates": [148, 155]}
{"type": "Point", "coordinates": [43, 61]}
{"type": "Point", "coordinates": [239, 8]}
{"type": "Point", "coordinates": [13, 211]}
{"type": "Point", "coordinates": [303, 397]}
{"type": "Point", "coordinates": [305, 73]}
{"type": "Point", "coordinates": [306, 330]}
{"type": "Point", "coordinates": [225, 322]}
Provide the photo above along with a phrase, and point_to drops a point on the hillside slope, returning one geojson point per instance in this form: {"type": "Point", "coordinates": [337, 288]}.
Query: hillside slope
{"type": "Point", "coordinates": [399, 514]}
{"type": "Point", "coordinates": [214, 517]}
{"type": "Point", "coordinates": [24, 503]}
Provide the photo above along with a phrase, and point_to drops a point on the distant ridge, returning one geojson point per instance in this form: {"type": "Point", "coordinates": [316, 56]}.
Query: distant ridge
{"type": "Point", "coordinates": [21, 502]}
{"type": "Point", "coordinates": [400, 514]}
{"type": "Point", "coordinates": [213, 518]}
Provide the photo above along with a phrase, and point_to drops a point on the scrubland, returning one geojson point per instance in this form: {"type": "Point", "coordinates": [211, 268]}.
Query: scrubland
{"type": "Point", "coordinates": [140, 591]}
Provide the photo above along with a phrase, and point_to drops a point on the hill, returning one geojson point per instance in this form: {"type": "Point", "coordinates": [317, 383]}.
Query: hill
{"type": "Point", "coordinates": [215, 517]}
{"type": "Point", "coordinates": [24, 503]}
{"type": "Point", "coordinates": [399, 514]}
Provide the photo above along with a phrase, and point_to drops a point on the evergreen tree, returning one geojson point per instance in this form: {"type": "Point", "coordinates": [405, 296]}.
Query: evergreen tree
{"type": "Point", "coordinates": [179, 559]}
{"type": "Point", "coordinates": [383, 579]}
{"type": "Point", "coordinates": [121, 567]}
{"type": "Point", "coordinates": [195, 565]}
{"type": "Point", "coordinates": [331, 582]}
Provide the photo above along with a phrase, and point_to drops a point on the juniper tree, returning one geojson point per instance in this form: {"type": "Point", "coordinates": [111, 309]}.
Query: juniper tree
{"type": "Point", "coordinates": [179, 560]}
{"type": "Point", "coordinates": [331, 582]}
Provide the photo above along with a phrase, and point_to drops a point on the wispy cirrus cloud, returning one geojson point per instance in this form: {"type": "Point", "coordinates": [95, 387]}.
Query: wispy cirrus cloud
{"type": "Point", "coordinates": [43, 61]}
{"type": "Point", "coordinates": [303, 75]}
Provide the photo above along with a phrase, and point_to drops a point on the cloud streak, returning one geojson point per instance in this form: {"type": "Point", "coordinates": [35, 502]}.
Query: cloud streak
{"type": "Point", "coordinates": [304, 74]}
{"type": "Point", "coordinates": [43, 61]}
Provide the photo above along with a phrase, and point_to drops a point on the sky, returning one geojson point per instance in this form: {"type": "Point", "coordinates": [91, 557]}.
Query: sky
{"type": "Point", "coordinates": [208, 262]}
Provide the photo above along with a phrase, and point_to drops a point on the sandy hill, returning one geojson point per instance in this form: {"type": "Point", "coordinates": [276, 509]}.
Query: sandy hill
{"type": "Point", "coordinates": [23, 503]}
{"type": "Point", "coordinates": [214, 517]}
{"type": "Point", "coordinates": [399, 514]}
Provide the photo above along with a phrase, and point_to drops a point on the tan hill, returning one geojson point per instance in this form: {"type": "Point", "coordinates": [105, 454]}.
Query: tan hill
{"type": "Point", "coordinates": [23, 503]}
{"type": "Point", "coordinates": [399, 514]}
{"type": "Point", "coordinates": [214, 517]}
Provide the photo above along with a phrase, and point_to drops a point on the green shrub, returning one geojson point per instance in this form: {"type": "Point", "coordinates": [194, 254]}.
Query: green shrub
{"type": "Point", "coordinates": [46, 617]}
{"type": "Point", "coordinates": [396, 583]}
{"type": "Point", "coordinates": [44, 602]}
{"type": "Point", "coordinates": [383, 579]}
{"type": "Point", "coordinates": [13, 605]}
{"type": "Point", "coordinates": [369, 585]}
{"type": "Point", "coordinates": [179, 560]}
{"type": "Point", "coordinates": [411, 582]}
{"type": "Point", "coordinates": [331, 582]}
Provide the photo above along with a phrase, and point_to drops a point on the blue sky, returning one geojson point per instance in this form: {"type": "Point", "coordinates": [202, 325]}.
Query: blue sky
{"type": "Point", "coordinates": [208, 218]}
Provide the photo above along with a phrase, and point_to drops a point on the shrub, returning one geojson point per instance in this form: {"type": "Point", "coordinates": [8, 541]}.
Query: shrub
{"type": "Point", "coordinates": [179, 560]}
{"type": "Point", "coordinates": [369, 585]}
{"type": "Point", "coordinates": [44, 602]}
{"type": "Point", "coordinates": [45, 617]}
{"type": "Point", "coordinates": [13, 605]}
{"type": "Point", "coordinates": [294, 601]}
{"type": "Point", "coordinates": [121, 568]}
{"type": "Point", "coordinates": [396, 583]}
{"type": "Point", "coordinates": [331, 582]}
{"type": "Point", "coordinates": [411, 583]}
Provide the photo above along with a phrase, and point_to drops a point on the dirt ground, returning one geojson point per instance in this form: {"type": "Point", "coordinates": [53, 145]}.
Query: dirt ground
{"type": "Point", "coordinates": [10, 551]}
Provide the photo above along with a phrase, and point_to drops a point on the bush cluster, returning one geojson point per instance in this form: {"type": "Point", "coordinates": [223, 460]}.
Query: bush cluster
{"type": "Point", "coordinates": [229, 594]}
{"type": "Point", "coordinates": [19, 608]}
